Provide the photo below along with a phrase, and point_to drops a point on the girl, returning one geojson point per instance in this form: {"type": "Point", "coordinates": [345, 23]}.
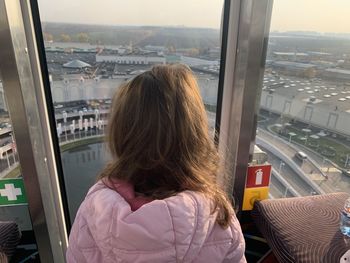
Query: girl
{"type": "Point", "coordinates": [158, 200]}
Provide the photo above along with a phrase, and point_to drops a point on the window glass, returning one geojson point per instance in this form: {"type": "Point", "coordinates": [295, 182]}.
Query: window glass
{"type": "Point", "coordinates": [94, 46]}
{"type": "Point", "coordinates": [304, 118]}
{"type": "Point", "coordinates": [15, 223]}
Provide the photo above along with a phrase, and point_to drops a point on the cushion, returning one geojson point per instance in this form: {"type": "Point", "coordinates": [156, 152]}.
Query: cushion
{"type": "Point", "coordinates": [9, 238]}
{"type": "Point", "coordinates": [303, 229]}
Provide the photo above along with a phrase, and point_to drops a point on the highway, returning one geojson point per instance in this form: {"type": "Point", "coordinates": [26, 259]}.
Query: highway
{"type": "Point", "coordinates": [289, 175]}
{"type": "Point", "coordinates": [336, 181]}
{"type": "Point", "coordinates": [277, 189]}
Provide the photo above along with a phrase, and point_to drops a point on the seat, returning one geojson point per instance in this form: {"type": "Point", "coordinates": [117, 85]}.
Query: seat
{"type": "Point", "coordinates": [303, 229]}
{"type": "Point", "coordinates": [9, 238]}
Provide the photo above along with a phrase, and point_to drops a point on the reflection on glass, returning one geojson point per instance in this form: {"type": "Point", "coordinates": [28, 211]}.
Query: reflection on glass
{"type": "Point", "coordinates": [304, 119]}
{"type": "Point", "coordinates": [88, 60]}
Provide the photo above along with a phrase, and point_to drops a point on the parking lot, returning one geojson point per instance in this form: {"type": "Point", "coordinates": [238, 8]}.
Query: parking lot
{"type": "Point", "coordinates": [326, 93]}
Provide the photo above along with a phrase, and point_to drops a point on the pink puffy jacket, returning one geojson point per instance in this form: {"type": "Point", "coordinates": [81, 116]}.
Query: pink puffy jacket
{"type": "Point", "coordinates": [176, 229]}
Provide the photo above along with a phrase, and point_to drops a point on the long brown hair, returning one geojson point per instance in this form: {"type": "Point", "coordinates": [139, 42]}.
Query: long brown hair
{"type": "Point", "coordinates": [159, 140]}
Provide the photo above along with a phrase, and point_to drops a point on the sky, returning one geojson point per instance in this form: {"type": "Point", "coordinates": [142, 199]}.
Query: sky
{"type": "Point", "coordinates": [305, 15]}
{"type": "Point", "coordinates": [191, 13]}
{"type": "Point", "coordinates": [311, 15]}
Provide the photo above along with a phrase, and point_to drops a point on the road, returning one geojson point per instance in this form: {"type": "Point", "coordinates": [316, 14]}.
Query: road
{"type": "Point", "coordinates": [289, 175]}
{"type": "Point", "coordinates": [336, 181]}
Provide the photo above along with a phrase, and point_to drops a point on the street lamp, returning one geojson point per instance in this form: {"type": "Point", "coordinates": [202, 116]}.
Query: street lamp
{"type": "Point", "coordinates": [7, 158]}
{"type": "Point", "coordinates": [97, 115]}
{"type": "Point", "coordinates": [65, 89]}
{"type": "Point", "coordinates": [73, 127]}
{"type": "Point", "coordinates": [91, 125]}
{"type": "Point", "coordinates": [346, 161]}
{"type": "Point", "coordinates": [329, 163]}
{"type": "Point", "coordinates": [59, 130]}
{"type": "Point", "coordinates": [81, 88]}
{"type": "Point", "coordinates": [306, 131]}
{"type": "Point", "coordinates": [86, 126]}
{"type": "Point", "coordinates": [103, 126]}
{"type": "Point", "coordinates": [99, 125]}
{"type": "Point", "coordinates": [65, 115]}
{"type": "Point", "coordinates": [80, 122]}
{"type": "Point", "coordinates": [13, 147]}
{"type": "Point", "coordinates": [291, 134]}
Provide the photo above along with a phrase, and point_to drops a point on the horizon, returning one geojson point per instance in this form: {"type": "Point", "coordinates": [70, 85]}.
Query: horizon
{"type": "Point", "coordinates": [193, 27]}
{"type": "Point", "coordinates": [129, 25]}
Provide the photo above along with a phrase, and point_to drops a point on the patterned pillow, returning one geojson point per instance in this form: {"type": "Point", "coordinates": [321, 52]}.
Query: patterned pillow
{"type": "Point", "coordinates": [303, 229]}
{"type": "Point", "coordinates": [9, 239]}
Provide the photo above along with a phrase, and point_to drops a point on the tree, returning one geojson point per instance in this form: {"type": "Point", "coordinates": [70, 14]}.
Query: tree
{"type": "Point", "coordinates": [83, 37]}
{"type": "Point", "coordinates": [48, 37]}
{"type": "Point", "coordinates": [310, 73]}
{"type": "Point", "coordinates": [171, 49]}
{"type": "Point", "coordinates": [65, 38]}
{"type": "Point", "coordinates": [193, 52]}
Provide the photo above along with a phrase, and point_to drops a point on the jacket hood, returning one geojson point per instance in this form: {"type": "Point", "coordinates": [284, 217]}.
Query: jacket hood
{"type": "Point", "coordinates": [157, 225]}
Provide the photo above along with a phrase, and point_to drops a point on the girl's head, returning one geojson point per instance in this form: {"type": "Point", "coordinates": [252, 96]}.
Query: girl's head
{"type": "Point", "coordinates": [159, 138]}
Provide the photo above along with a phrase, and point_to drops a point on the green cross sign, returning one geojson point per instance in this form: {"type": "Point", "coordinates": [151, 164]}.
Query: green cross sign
{"type": "Point", "coordinates": [12, 192]}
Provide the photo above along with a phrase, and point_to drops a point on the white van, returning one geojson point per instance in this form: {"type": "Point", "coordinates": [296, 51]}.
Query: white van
{"type": "Point", "coordinates": [301, 156]}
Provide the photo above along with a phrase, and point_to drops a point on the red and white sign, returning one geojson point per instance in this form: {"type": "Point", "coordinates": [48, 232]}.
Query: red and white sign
{"type": "Point", "coordinates": [258, 175]}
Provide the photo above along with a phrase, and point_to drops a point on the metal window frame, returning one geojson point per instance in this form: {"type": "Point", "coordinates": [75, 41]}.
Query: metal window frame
{"type": "Point", "coordinates": [42, 75]}
{"type": "Point", "coordinates": [247, 38]}
{"type": "Point", "coordinates": [243, 58]}
{"type": "Point", "coordinates": [25, 96]}
{"type": "Point", "coordinates": [224, 42]}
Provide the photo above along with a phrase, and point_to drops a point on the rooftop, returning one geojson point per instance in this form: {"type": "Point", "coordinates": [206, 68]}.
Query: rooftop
{"type": "Point", "coordinates": [76, 64]}
{"type": "Point", "coordinates": [336, 70]}
{"type": "Point", "coordinates": [293, 64]}
{"type": "Point", "coordinates": [324, 93]}
{"type": "Point", "coordinates": [290, 54]}
{"type": "Point", "coordinates": [126, 53]}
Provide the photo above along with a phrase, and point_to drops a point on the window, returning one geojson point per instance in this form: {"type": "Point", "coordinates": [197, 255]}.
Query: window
{"type": "Point", "coordinates": [304, 118]}
{"type": "Point", "coordinates": [14, 212]}
{"type": "Point", "coordinates": [90, 53]}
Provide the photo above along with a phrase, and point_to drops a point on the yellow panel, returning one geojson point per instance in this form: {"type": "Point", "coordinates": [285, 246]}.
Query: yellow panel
{"type": "Point", "coordinates": [253, 194]}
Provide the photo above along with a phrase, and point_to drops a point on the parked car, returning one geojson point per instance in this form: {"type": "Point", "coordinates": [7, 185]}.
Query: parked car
{"type": "Point", "coordinates": [301, 156]}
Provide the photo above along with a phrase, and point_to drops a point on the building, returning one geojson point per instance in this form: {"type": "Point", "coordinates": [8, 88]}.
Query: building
{"type": "Point", "coordinates": [155, 48]}
{"type": "Point", "coordinates": [136, 58]}
{"type": "Point", "coordinates": [192, 61]}
{"type": "Point", "coordinates": [76, 64]}
{"type": "Point", "coordinates": [295, 68]}
{"type": "Point", "coordinates": [291, 56]}
{"type": "Point", "coordinates": [335, 73]}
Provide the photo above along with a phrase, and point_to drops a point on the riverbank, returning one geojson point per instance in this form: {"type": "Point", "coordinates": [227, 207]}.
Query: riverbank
{"type": "Point", "coordinates": [15, 171]}
{"type": "Point", "coordinates": [66, 146]}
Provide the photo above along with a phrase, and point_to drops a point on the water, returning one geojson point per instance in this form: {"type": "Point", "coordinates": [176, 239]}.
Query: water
{"type": "Point", "coordinates": [81, 167]}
